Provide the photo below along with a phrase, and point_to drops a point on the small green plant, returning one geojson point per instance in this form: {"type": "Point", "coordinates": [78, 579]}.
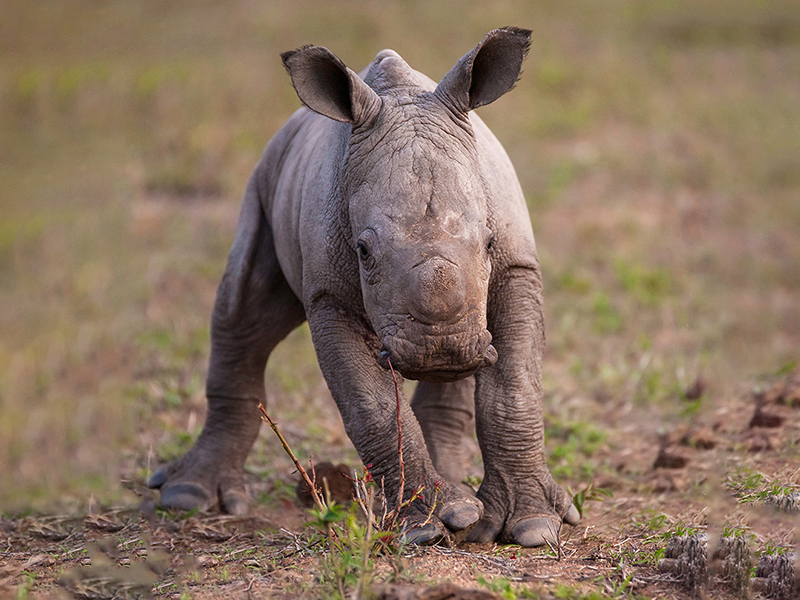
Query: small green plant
{"type": "Point", "coordinates": [753, 487]}
{"type": "Point", "coordinates": [679, 529]}
{"type": "Point", "coordinates": [620, 581]}
{"type": "Point", "coordinates": [607, 318]}
{"type": "Point", "coordinates": [24, 589]}
{"type": "Point", "coordinates": [567, 592]}
{"type": "Point", "coordinates": [657, 522]}
{"type": "Point", "coordinates": [473, 481]}
{"type": "Point", "coordinates": [348, 567]}
{"type": "Point", "coordinates": [505, 588]}
{"type": "Point", "coordinates": [730, 530]}
{"type": "Point", "coordinates": [589, 494]}
{"type": "Point", "coordinates": [648, 286]}
{"type": "Point", "coordinates": [356, 536]}
{"type": "Point", "coordinates": [773, 549]}
{"type": "Point", "coordinates": [349, 562]}
{"type": "Point", "coordinates": [571, 447]}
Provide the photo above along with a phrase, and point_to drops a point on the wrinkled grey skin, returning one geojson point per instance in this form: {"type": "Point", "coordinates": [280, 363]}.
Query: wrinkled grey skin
{"type": "Point", "coordinates": [388, 215]}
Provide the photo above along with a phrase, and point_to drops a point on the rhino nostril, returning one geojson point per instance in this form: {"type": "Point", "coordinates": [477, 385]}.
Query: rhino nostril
{"type": "Point", "coordinates": [383, 359]}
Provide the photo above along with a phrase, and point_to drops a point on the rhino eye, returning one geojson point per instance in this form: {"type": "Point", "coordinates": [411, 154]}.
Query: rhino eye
{"type": "Point", "coordinates": [490, 243]}
{"type": "Point", "coordinates": [365, 248]}
{"type": "Point", "coordinates": [365, 256]}
{"type": "Point", "coordinates": [363, 251]}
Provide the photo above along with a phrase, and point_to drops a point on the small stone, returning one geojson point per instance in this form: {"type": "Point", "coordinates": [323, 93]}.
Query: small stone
{"type": "Point", "coordinates": [785, 502]}
{"type": "Point", "coordinates": [340, 484]}
{"type": "Point", "coordinates": [207, 560]}
{"type": "Point", "coordinates": [38, 560]}
{"type": "Point", "coordinates": [696, 390]}
{"type": "Point", "coordinates": [670, 459]}
{"type": "Point", "coordinates": [736, 564]}
{"type": "Point", "coordinates": [763, 418]}
{"type": "Point", "coordinates": [701, 438]}
{"type": "Point", "coordinates": [775, 577]}
{"type": "Point", "coordinates": [685, 556]}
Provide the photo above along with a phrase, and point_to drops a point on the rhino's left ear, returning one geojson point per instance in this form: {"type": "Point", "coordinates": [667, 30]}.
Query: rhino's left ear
{"type": "Point", "coordinates": [326, 86]}
{"type": "Point", "coordinates": [487, 72]}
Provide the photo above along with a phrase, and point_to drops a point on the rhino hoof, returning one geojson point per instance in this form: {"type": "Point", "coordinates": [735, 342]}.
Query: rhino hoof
{"type": "Point", "coordinates": [158, 479]}
{"type": "Point", "coordinates": [460, 515]}
{"type": "Point", "coordinates": [537, 531]}
{"type": "Point", "coordinates": [484, 532]}
{"type": "Point", "coordinates": [422, 535]}
{"type": "Point", "coordinates": [573, 517]}
{"type": "Point", "coordinates": [185, 496]}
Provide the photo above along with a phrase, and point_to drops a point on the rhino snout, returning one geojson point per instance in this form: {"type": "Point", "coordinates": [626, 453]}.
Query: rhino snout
{"type": "Point", "coordinates": [449, 364]}
{"type": "Point", "coordinates": [438, 291]}
{"type": "Point", "coordinates": [489, 357]}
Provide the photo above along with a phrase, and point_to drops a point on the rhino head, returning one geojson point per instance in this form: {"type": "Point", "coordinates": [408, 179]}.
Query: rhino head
{"type": "Point", "coordinates": [417, 204]}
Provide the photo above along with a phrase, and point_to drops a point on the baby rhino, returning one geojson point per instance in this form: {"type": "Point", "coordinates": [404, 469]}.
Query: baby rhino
{"type": "Point", "coordinates": [386, 214]}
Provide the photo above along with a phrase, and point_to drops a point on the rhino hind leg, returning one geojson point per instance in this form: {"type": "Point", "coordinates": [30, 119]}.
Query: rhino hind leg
{"type": "Point", "coordinates": [255, 309]}
{"type": "Point", "coordinates": [445, 412]}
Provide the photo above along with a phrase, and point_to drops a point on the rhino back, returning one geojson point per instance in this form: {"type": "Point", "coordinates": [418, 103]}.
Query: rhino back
{"type": "Point", "coordinates": [297, 175]}
{"type": "Point", "coordinates": [508, 212]}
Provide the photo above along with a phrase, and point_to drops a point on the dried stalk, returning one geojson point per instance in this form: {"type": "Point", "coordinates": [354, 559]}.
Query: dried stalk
{"type": "Point", "coordinates": [399, 439]}
{"type": "Point", "coordinates": [314, 494]}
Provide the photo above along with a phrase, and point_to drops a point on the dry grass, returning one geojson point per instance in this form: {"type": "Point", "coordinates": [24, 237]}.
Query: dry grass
{"type": "Point", "coordinates": [657, 144]}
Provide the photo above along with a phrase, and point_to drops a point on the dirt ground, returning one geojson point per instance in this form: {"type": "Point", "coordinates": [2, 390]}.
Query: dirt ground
{"type": "Point", "coordinates": [734, 473]}
{"type": "Point", "coordinates": [657, 145]}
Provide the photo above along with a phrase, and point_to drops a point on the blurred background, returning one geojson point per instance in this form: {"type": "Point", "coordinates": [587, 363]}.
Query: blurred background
{"type": "Point", "coordinates": [658, 145]}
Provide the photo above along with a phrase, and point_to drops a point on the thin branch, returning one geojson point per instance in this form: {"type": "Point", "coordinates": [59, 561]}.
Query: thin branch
{"type": "Point", "coordinates": [314, 494]}
{"type": "Point", "coordinates": [399, 438]}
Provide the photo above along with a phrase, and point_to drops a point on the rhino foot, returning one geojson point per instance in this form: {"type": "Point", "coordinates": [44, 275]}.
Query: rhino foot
{"type": "Point", "coordinates": [212, 472]}
{"type": "Point", "coordinates": [451, 520]}
{"type": "Point", "coordinates": [530, 524]}
{"type": "Point", "coordinates": [191, 483]}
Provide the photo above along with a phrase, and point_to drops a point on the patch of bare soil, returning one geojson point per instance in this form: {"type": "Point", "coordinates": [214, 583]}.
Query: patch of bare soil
{"type": "Point", "coordinates": [726, 485]}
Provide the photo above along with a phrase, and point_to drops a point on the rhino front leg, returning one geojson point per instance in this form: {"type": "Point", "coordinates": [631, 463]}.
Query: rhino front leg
{"type": "Point", "coordinates": [523, 504]}
{"type": "Point", "coordinates": [445, 414]}
{"type": "Point", "coordinates": [254, 310]}
{"type": "Point", "coordinates": [365, 394]}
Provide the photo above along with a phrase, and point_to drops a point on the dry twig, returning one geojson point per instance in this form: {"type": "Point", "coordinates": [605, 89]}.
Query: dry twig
{"type": "Point", "coordinates": [399, 438]}
{"type": "Point", "coordinates": [314, 494]}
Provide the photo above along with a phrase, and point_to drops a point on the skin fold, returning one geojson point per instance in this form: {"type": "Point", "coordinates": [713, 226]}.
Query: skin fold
{"type": "Point", "coordinates": [387, 215]}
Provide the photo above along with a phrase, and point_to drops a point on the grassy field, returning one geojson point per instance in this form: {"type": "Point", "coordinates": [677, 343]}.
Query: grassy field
{"type": "Point", "coordinates": [658, 145]}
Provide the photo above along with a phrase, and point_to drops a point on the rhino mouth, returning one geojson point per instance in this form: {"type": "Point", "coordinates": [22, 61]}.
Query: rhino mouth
{"type": "Point", "coordinates": [439, 356]}
{"type": "Point", "coordinates": [441, 373]}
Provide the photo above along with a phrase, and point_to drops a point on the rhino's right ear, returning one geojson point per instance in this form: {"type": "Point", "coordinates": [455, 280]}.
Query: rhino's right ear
{"type": "Point", "coordinates": [325, 85]}
{"type": "Point", "coordinates": [486, 72]}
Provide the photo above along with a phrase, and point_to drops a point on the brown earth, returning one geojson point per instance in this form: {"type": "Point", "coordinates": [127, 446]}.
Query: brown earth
{"type": "Point", "coordinates": [657, 144]}
{"type": "Point", "coordinates": [723, 471]}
